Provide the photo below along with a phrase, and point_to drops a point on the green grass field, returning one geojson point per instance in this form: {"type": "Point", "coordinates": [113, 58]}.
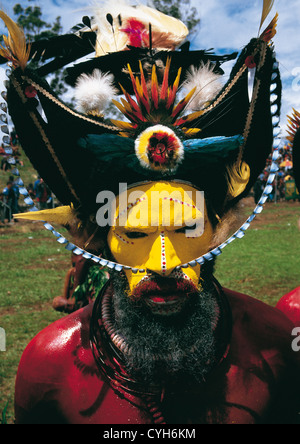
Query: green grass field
{"type": "Point", "coordinates": [265, 264]}
{"type": "Point", "coordinates": [32, 272]}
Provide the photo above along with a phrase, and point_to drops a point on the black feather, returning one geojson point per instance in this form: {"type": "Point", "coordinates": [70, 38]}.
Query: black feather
{"type": "Point", "coordinates": [64, 49]}
{"type": "Point", "coordinates": [110, 19]}
{"type": "Point", "coordinates": [87, 21]}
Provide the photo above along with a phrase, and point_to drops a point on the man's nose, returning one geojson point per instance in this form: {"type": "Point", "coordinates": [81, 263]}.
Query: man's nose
{"type": "Point", "coordinates": [163, 258]}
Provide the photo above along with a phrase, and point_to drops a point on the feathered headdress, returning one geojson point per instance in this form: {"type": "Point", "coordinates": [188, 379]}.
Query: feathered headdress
{"type": "Point", "coordinates": [215, 137]}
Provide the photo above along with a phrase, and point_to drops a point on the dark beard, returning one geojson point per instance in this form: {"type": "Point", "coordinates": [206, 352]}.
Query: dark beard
{"type": "Point", "coordinates": [168, 350]}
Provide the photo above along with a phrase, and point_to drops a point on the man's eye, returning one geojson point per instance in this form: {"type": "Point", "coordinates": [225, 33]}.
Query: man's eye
{"type": "Point", "coordinates": [135, 235]}
{"type": "Point", "coordinates": [184, 230]}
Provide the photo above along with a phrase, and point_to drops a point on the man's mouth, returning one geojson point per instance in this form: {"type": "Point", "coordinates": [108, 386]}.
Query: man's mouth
{"type": "Point", "coordinates": [165, 296]}
{"type": "Point", "coordinates": [166, 305]}
{"type": "Point", "coordinates": [168, 300]}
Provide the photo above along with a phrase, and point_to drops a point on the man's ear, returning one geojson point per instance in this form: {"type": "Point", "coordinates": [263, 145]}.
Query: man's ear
{"type": "Point", "coordinates": [238, 177]}
{"type": "Point", "coordinates": [88, 236]}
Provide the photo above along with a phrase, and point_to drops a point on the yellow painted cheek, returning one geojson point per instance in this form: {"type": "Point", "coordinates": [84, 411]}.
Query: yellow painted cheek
{"type": "Point", "coordinates": [188, 249]}
{"type": "Point", "coordinates": [134, 279]}
{"type": "Point", "coordinates": [126, 252]}
{"type": "Point", "coordinates": [193, 274]}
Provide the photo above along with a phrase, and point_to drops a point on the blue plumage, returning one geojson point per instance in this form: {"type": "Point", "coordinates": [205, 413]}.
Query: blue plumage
{"type": "Point", "coordinates": [213, 145]}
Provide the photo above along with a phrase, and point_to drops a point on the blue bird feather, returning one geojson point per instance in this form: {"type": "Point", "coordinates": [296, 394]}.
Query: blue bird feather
{"type": "Point", "coordinates": [213, 145]}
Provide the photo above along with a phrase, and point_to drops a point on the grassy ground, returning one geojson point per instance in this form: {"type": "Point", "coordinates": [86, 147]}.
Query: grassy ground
{"type": "Point", "coordinates": [32, 272]}
{"type": "Point", "coordinates": [265, 264]}
{"type": "Point", "coordinates": [28, 174]}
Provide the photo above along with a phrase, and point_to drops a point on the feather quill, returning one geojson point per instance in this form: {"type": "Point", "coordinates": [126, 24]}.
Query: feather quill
{"type": "Point", "coordinates": [267, 7]}
{"type": "Point", "coordinates": [270, 32]}
{"type": "Point", "coordinates": [15, 50]}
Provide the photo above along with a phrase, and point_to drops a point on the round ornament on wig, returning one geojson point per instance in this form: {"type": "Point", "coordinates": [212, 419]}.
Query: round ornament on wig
{"type": "Point", "coordinates": [159, 148]}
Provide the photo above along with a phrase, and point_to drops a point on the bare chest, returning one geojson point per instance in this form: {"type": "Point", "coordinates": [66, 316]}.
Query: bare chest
{"type": "Point", "coordinates": [237, 397]}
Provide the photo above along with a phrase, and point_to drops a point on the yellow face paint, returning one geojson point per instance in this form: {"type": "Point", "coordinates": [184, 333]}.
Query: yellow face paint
{"type": "Point", "coordinates": [153, 231]}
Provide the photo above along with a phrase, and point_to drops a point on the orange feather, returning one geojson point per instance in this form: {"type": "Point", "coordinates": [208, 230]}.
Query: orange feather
{"type": "Point", "coordinates": [15, 50]}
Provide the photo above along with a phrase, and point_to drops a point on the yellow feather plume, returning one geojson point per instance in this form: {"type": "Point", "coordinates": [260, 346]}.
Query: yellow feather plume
{"type": "Point", "coordinates": [293, 125]}
{"type": "Point", "coordinates": [15, 50]}
{"type": "Point", "coordinates": [267, 7]}
{"type": "Point", "coordinates": [238, 179]}
{"type": "Point", "coordinates": [270, 32]}
{"type": "Point", "coordinates": [61, 215]}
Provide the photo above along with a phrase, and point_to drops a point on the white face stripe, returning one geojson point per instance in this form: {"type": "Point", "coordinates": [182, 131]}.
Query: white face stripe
{"type": "Point", "coordinates": [123, 239]}
{"type": "Point", "coordinates": [181, 203]}
{"type": "Point", "coordinates": [163, 253]}
{"type": "Point", "coordinates": [130, 206]}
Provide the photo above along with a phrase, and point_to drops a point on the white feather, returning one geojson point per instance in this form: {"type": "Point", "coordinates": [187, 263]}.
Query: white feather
{"type": "Point", "coordinates": [208, 86]}
{"type": "Point", "coordinates": [93, 92]}
{"type": "Point", "coordinates": [167, 32]}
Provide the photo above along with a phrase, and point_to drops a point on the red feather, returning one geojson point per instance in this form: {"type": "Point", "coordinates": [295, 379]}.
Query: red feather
{"type": "Point", "coordinates": [137, 33]}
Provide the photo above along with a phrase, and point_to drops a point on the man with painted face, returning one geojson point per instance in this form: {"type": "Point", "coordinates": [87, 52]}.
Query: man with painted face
{"type": "Point", "coordinates": [168, 345]}
{"type": "Point", "coordinates": [164, 342]}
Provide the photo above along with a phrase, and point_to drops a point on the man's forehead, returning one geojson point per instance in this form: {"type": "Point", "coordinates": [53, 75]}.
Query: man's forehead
{"type": "Point", "coordinates": [155, 190]}
{"type": "Point", "coordinates": [159, 204]}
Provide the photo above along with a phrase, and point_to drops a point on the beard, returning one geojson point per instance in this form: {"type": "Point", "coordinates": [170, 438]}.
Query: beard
{"type": "Point", "coordinates": [168, 350]}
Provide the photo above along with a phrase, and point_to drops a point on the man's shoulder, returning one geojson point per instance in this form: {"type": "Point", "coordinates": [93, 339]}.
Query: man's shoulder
{"type": "Point", "coordinates": [49, 352]}
{"type": "Point", "coordinates": [260, 323]}
{"type": "Point", "coordinates": [50, 362]}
